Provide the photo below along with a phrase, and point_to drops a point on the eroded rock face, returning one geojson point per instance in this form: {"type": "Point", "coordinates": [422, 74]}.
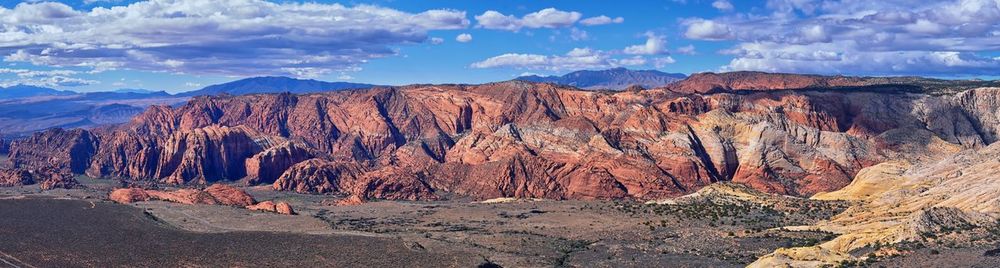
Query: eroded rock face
{"type": "Point", "coordinates": [15, 177]}
{"type": "Point", "coordinates": [528, 140]}
{"type": "Point", "coordinates": [128, 195]}
{"type": "Point", "coordinates": [47, 179]}
{"type": "Point", "coordinates": [64, 150]}
{"type": "Point", "coordinates": [318, 176]}
{"type": "Point", "coordinates": [271, 206]}
{"type": "Point", "coordinates": [230, 196]}
{"type": "Point", "coordinates": [265, 167]}
{"type": "Point", "coordinates": [217, 194]}
{"type": "Point", "coordinates": [57, 180]}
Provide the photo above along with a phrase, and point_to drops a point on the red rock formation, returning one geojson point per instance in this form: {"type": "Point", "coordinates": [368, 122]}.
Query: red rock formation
{"type": "Point", "coordinates": [317, 176]}
{"type": "Point", "coordinates": [217, 194]}
{"type": "Point", "coordinates": [46, 178]}
{"type": "Point", "coordinates": [271, 206]}
{"type": "Point", "coordinates": [283, 208]}
{"type": "Point", "coordinates": [265, 167]}
{"type": "Point", "coordinates": [53, 179]}
{"type": "Point", "coordinates": [230, 196]}
{"type": "Point", "coordinates": [15, 177]}
{"type": "Point", "coordinates": [758, 81]}
{"type": "Point", "coordinates": [64, 150]}
{"type": "Point", "coordinates": [520, 139]}
{"type": "Point", "coordinates": [128, 195]}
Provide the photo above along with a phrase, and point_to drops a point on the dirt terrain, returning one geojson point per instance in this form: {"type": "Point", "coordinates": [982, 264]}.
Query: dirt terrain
{"type": "Point", "coordinates": [46, 232]}
{"type": "Point", "coordinates": [452, 232]}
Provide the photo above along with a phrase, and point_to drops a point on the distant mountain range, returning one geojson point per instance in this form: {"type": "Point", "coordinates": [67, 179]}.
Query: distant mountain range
{"type": "Point", "coordinates": [25, 109]}
{"type": "Point", "coordinates": [273, 84]}
{"type": "Point", "coordinates": [611, 79]}
{"type": "Point", "coordinates": [26, 91]}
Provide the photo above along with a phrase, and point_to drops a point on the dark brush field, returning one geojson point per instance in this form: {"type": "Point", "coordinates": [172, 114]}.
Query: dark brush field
{"type": "Point", "coordinates": [47, 232]}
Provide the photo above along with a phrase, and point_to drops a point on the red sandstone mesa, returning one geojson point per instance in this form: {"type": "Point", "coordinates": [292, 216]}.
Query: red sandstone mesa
{"type": "Point", "coordinates": [520, 139]}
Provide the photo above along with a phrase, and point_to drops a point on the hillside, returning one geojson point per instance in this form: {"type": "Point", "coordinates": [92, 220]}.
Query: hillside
{"type": "Point", "coordinates": [611, 79]}
{"type": "Point", "coordinates": [272, 84]}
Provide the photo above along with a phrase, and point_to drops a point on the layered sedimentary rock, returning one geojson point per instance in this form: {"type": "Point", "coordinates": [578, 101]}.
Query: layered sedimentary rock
{"type": "Point", "coordinates": [64, 150]}
{"type": "Point", "coordinates": [520, 139]}
{"type": "Point", "coordinates": [900, 201]}
{"type": "Point", "coordinates": [217, 194]}
{"type": "Point", "coordinates": [265, 167]}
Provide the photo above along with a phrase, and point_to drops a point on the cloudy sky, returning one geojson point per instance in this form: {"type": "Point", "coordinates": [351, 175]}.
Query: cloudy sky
{"type": "Point", "coordinates": [179, 45]}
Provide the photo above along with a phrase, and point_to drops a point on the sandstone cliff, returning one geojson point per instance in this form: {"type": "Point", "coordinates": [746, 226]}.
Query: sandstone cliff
{"type": "Point", "coordinates": [521, 139]}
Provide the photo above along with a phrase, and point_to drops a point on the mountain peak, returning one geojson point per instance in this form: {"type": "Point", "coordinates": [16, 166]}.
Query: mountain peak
{"type": "Point", "coordinates": [273, 84]}
{"type": "Point", "coordinates": [611, 79]}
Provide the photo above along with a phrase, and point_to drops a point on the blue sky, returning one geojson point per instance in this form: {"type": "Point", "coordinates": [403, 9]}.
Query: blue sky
{"type": "Point", "coordinates": [179, 45]}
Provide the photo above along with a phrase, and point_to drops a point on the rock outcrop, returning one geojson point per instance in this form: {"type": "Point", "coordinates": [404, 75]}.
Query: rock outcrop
{"type": "Point", "coordinates": [271, 206]}
{"type": "Point", "coordinates": [47, 179]}
{"type": "Point", "coordinates": [533, 140]}
{"type": "Point", "coordinates": [265, 167]}
{"type": "Point", "coordinates": [230, 196]}
{"type": "Point", "coordinates": [15, 177]}
{"type": "Point", "coordinates": [63, 150]}
{"type": "Point", "coordinates": [217, 194]}
{"type": "Point", "coordinates": [900, 201]}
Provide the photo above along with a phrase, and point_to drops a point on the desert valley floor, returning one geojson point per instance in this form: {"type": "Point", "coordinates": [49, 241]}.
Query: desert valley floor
{"type": "Point", "coordinates": [724, 225]}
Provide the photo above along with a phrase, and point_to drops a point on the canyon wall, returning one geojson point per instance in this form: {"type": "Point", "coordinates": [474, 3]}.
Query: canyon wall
{"type": "Point", "coordinates": [521, 139]}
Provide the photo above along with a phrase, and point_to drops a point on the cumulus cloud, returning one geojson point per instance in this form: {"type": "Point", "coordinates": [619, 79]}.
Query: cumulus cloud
{"type": "Point", "coordinates": [436, 40]}
{"type": "Point", "coordinates": [601, 20]}
{"type": "Point", "coordinates": [170, 35]}
{"type": "Point", "coordinates": [576, 59]}
{"type": "Point", "coordinates": [464, 38]}
{"type": "Point", "coordinates": [654, 45]}
{"type": "Point", "coordinates": [860, 37]}
{"type": "Point", "coordinates": [723, 5]}
{"type": "Point", "coordinates": [545, 18]}
{"type": "Point", "coordinates": [707, 30]}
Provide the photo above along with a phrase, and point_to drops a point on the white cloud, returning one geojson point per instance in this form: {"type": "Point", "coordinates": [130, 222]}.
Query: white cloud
{"type": "Point", "coordinates": [707, 30]}
{"type": "Point", "coordinates": [723, 5]}
{"type": "Point", "coordinates": [464, 38]}
{"type": "Point", "coordinates": [545, 18]}
{"type": "Point", "coordinates": [214, 37]}
{"type": "Point", "coordinates": [654, 45]}
{"type": "Point", "coordinates": [830, 58]}
{"type": "Point", "coordinates": [550, 18]}
{"type": "Point", "coordinates": [192, 84]}
{"type": "Point", "coordinates": [576, 59]}
{"type": "Point", "coordinates": [498, 21]}
{"type": "Point", "coordinates": [49, 81]}
{"type": "Point", "coordinates": [436, 40]}
{"type": "Point", "coordinates": [663, 62]}
{"type": "Point", "coordinates": [601, 20]}
{"type": "Point", "coordinates": [45, 78]}
{"type": "Point", "coordinates": [893, 37]}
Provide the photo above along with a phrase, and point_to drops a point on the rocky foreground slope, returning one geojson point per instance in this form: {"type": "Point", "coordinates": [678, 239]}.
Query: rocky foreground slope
{"type": "Point", "coordinates": [522, 139]}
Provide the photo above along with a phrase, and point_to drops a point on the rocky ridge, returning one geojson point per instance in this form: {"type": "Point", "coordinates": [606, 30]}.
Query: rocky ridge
{"type": "Point", "coordinates": [531, 140]}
